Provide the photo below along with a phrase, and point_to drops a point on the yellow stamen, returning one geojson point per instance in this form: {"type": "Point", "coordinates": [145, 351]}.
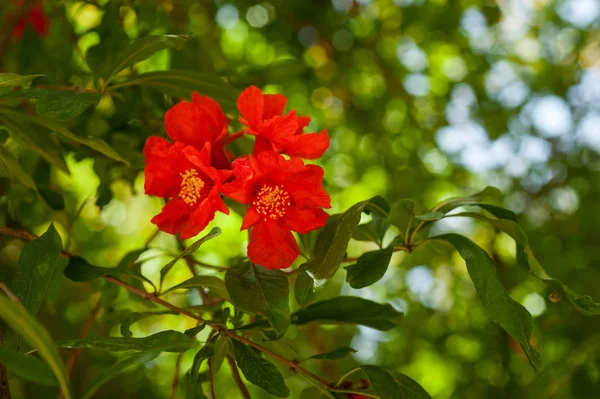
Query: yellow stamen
{"type": "Point", "coordinates": [271, 201]}
{"type": "Point", "coordinates": [191, 185]}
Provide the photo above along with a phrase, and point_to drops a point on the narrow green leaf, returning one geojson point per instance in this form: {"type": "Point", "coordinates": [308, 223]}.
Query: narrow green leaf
{"type": "Point", "coordinates": [56, 126]}
{"type": "Point", "coordinates": [142, 49]}
{"type": "Point", "coordinates": [188, 251]}
{"type": "Point", "coordinates": [330, 250]}
{"type": "Point", "coordinates": [10, 167]}
{"type": "Point", "coordinates": [430, 216]}
{"type": "Point", "coordinates": [350, 309]}
{"type": "Point", "coordinates": [204, 353]}
{"type": "Point", "coordinates": [65, 105]}
{"type": "Point", "coordinates": [222, 345]}
{"type": "Point", "coordinates": [37, 141]}
{"type": "Point", "coordinates": [213, 283]}
{"type": "Point", "coordinates": [80, 270]}
{"type": "Point", "coordinates": [192, 332]}
{"type": "Point", "coordinates": [182, 83]}
{"type": "Point", "coordinates": [164, 341]}
{"type": "Point", "coordinates": [17, 317]}
{"type": "Point", "coordinates": [39, 261]}
{"type": "Point", "coordinates": [261, 291]}
{"type": "Point", "coordinates": [118, 368]}
{"type": "Point", "coordinates": [369, 268]}
{"type": "Point", "coordinates": [8, 81]}
{"type": "Point", "coordinates": [28, 368]}
{"type": "Point", "coordinates": [402, 214]}
{"type": "Point", "coordinates": [137, 316]}
{"type": "Point", "coordinates": [259, 371]}
{"type": "Point", "coordinates": [502, 309]}
{"type": "Point", "coordinates": [393, 385]}
{"type": "Point", "coordinates": [337, 354]}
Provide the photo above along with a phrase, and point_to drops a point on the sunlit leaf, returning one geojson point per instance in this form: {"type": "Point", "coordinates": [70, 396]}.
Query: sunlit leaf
{"type": "Point", "coordinates": [137, 316]}
{"type": "Point", "coordinates": [8, 81]}
{"type": "Point", "coordinates": [164, 341]}
{"type": "Point", "coordinates": [214, 284]}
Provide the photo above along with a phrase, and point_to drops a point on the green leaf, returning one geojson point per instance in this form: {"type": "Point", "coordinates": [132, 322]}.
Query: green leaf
{"type": "Point", "coordinates": [259, 371]}
{"type": "Point", "coordinates": [393, 385]}
{"type": "Point", "coordinates": [330, 250]}
{"type": "Point", "coordinates": [350, 309]}
{"type": "Point", "coordinates": [261, 291]}
{"type": "Point", "coordinates": [140, 50]}
{"type": "Point", "coordinates": [338, 353]}
{"type": "Point", "coordinates": [192, 332]}
{"type": "Point", "coordinates": [181, 83]}
{"type": "Point", "coordinates": [56, 126]}
{"type": "Point", "coordinates": [430, 216]}
{"type": "Point", "coordinates": [137, 316]}
{"type": "Point", "coordinates": [65, 105]}
{"type": "Point", "coordinates": [402, 214]}
{"type": "Point", "coordinates": [369, 268]}
{"type": "Point", "coordinates": [38, 263]}
{"type": "Point", "coordinates": [8, 81]}
{"type": "Point", "coordinates": [206, 352]}
{"type": "Point", "coordinates": [213, 283]}
{"type": "Point", "coordinates": [17, 317]}
{"type": "Point", "coordinates": [164, 341]}
{"type": "Point", "coordinates": [502, 309]}
{"type": "Point", "coordinates": [221, 349]}
{"type": "Point", "coordinates": [188, 251]}
{"type": "Point", "coordinates": [36, 141]}
{"type": "Point", "coordinates": [28, 368]}
{"type": "Point", "coordinates": [80, 270]}
{"type": "Point", "coordinates": [10, 167]}
{"type": "Point", "coordinates": [116, 369]}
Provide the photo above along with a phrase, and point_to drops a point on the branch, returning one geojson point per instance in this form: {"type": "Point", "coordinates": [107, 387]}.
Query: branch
{"type": "Point", "coordinates": [211, 379]}
{"type": "Point", "coordinates": [176, 376]}
{"type": "Point", "coordinates": [236, 377]}
{"type": "Point", "coordinates": [85, 328]}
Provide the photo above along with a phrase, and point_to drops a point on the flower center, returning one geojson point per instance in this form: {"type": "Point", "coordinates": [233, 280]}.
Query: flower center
{"type": "Point", "coordinates": [271, 201]}
{"type": "Point", "coordinates": [191, 185]}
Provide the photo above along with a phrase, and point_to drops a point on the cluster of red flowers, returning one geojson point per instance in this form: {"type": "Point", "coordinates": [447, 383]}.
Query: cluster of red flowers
{"type": "Point", "coordinates": [35, 16]}
{"type": "Point", "coordinates": [281, 194]}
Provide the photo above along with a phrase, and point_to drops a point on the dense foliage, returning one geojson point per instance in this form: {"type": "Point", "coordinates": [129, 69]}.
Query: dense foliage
{"type": "Point", "coordinates": [140, 137]}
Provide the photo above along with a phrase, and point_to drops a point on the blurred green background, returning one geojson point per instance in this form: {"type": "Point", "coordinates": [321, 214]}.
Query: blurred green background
{"type": "Point", "coordinates": [423, 99]}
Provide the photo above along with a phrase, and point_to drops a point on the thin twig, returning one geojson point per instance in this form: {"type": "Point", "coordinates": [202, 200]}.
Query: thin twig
{"type": "Point", "coordinates": [236, 377]}
{"type": "Point", "coordinates": [211, 379]}
{"type": "Point", "coordinates": [4, 387]}
{"type": "Point", "coordinates": [85, 328]}
{"type": "Point", "coordinates": [202, 264]}
{"type": "Point", "coordinates": [9, 293]}
{"type": "Point", "coordinates": [205, 298]}
{"type": "Point", "coordinates": [349, 391]}
{"type": "Point", "coordinates": [176, 376]}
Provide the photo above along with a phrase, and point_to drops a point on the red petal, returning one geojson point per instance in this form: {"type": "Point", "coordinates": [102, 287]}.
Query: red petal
{"type": "Point", "coordinates": [250, 218]}
{"type": "Point", "coordinates": [275, 167]}
{"type": "Point", "coordinates": [219, 158]}
{"type": "Point", "coordinates": [306, 188]}
{"type": "Point", "coordinates": [39, 20]}
{"type": "Point", "coordinates": [156, 146]}
{"type": "Point", "coordinates": [239, 190]}
{"type": "Point", "coordinates": [272, 246]}
{"type": "Point", "coordinates": [274, 105]}
{"type": "Point", "coordinates": [184, 123]}
{"type": "Point", "coordinates": [198, 156]}
{"type": "Point", "coordinates": [280, 128]}
{"type": "Point", "coordinates": [303, 121]}
{"type": "Point", "coordinates": [305, 220]}
{"type": "Point", "coordinates": [173, 217]}
{"type": "Point", "coordinates": [199, 219]}
{"type": "Point", "coordinates": [251, 105]}
{"type": "Point", "coordinates": [261, 144]}
{"type": "Point", "coordinates": [309, 146]}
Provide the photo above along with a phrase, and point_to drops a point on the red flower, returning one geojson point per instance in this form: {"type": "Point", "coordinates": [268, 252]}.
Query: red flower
{"type": "Point", "coordinates": [263, 116]}
{"type": "Point", "coordinates": [183, 173]}
{"type": "Point", "coordinates": [199, 122]}
{"type": "Point", "coordinates": [283, 195]}
{"type": "Point", "coordinates": [36, 17]}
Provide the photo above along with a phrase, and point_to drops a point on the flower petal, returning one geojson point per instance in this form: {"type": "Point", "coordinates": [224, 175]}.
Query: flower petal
{"type": "Point", "coordinates": [173, 217]}
{"type": "Point", "coordinates": [309, 146]}
{"type": "Point", "coordinates": [185, 122]}
{"type": "Point", "coordinates": [156, 146]}
{"type": "Point", "coordinates": [274, 105]}
{"type": "Point", "coordinates": [251, 105]}
{"type": "Point", "coordinates": [199, 218]}
{"type": "Point", "coordinates": [250, 218]}
{"type": "Point", "coordinates": [304, 220]}
{"type": "Point", "coordinates": [261, 144]}
{"type": "Point", "coordinates": [239, 189]}
{"type": "Point", "coordinates": [306, 188]}
{"type": "Point", "coordinates": [213, 115]}
{"type": "Point", "coordinates": [272, 246]}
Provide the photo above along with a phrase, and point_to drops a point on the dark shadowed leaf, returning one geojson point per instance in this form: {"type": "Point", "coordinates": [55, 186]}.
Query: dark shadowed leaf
{"type": "Point", "coordinates": [192, 332]}
{"type": "Point", "coordinates": [261, 291]}
{"type": "Point", "coordinates": [206, 352]}
{"type": "Point", "coordinates": [116, 369]}
{"type": "Point", "coordinates": [502, 309]}
{"type": "Point", "coordinates": [63, 105]}
{"type": "Point", "coordinates": [337, 354]}
{"type": "Point", "coordinates": [80, 270]}
{"type": "Point", "coordinates": [402, 214]}
{"type": "Point", "coordinates": [330, 250]}
{"type": "Point", "coordinates": [188, 251]}
{"type": "Point", "coordinates": [393, 385]}
{"type": "Point", "coordinates": [259, 371]}
{"type": "Point", "coordinates": [369, 268]}
{"type": "Point", "coordinates": [9, 81]}
{"type": "Point", "coordinates": [351, 310]}
{"type": "Point", "coordinates": [140, 50]}
{"type": "Point", "coordinates": [213, 283]}
{"type": "Point", "coordinates": [17, 317]}
{"type": "Point", "coordinates": [10, 167]}
{"type": "Point", "coordinates": [40, 259]}
{"type": "Point", "coordinates": [28, 368]}
{"type": "Point", "coordinates": [164, 341]}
